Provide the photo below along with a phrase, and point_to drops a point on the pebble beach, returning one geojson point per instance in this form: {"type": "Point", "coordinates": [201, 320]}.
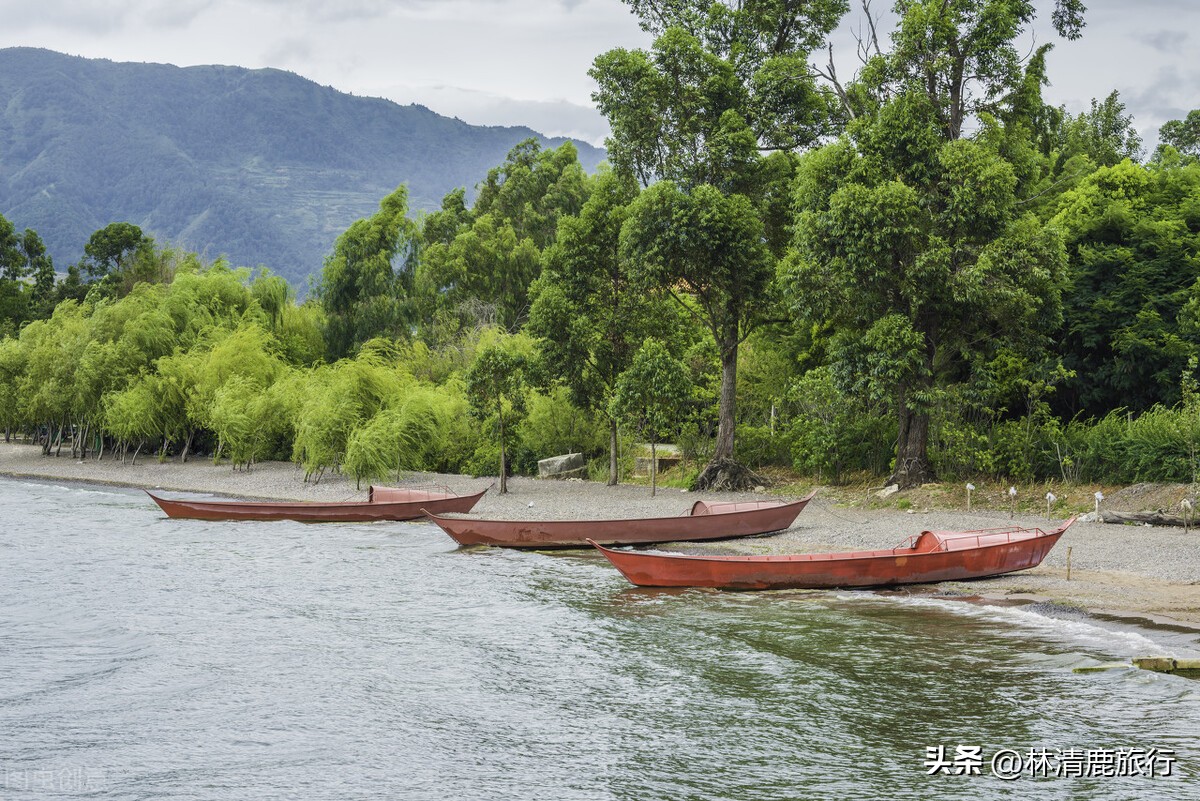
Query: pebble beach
{"type": "Point", "coordinates": [1139, 573]}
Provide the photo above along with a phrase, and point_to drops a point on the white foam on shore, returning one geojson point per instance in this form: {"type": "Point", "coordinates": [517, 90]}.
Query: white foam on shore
{"type": "Point", "coordinates": [1021, 622]}
{"type": "Point", "coordinates": [79, 489]}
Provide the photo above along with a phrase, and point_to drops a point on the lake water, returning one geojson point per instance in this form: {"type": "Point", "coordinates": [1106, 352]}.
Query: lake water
{"type": "Point", "coordinates": [144, 658]}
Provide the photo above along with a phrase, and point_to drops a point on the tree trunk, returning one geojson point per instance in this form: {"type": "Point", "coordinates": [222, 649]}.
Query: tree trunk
{"type": "Point", "coordinates": [141, 442]}
{"type": "Point", "coordinates": [612, 453]}
{"type": "Point", "coordinates": [58, 442]}
{"type": "Point", "coordinates": [503, 472]}
{"type": "Point", "coordinates": [653, 469]}
{"type": "Point", "coordinates": [187, 445]}
{"type": "Point", "coordinates": [726, 410]}
{"type": "Point", "coordinates": [912, 447]}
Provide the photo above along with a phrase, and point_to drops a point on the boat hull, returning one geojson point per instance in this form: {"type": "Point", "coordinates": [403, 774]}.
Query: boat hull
{"type": "Point", "coordinates": [920, 563]}
{"type": "Point", "coordinates": [705, 521]}
{"type": "Point", "coordinates": [310, 512]}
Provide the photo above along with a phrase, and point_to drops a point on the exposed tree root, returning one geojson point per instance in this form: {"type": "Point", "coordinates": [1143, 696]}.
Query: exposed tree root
{"type": "Point", "coordinates": [726, 475]}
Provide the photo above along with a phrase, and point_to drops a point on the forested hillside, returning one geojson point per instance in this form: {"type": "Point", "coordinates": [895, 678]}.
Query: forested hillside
{"type": "Point", "coordinates": [262, 166]}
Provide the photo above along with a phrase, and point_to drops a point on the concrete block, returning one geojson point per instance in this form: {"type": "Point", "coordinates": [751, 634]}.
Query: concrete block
{"type": "Point", "coordinates": [1159, 664]}
{"type": "Point", "coordinates": [570, 465]}
{"type": "Point", "coordinates": [641, 464]}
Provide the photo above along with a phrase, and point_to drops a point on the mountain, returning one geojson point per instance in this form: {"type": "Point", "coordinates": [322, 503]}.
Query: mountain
{"type": "Point", "coordinates": [262, 166]}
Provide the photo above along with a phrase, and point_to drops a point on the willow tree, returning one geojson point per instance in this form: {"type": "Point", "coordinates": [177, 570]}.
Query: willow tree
{"type": "Point", "coordinates": [417, 430]}
{"type": "Point", "coordinates": [12, 366]}
{"type": "Point", "coordinates": [367, 281]}
{"type": "Point", "coordinates": [337, 400]}
{"type": "Point", "coordinates": [484, 259]}
{"type": "Point", "coordinates": [722, 83]}
{"type": "Point", "coordinates": [26, 277]}
{"type": "Point", "coordinates": [913, 242]}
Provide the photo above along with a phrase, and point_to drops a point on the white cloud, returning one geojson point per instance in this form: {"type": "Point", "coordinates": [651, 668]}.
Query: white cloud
{"type": "Point", "coordinates": [553, 117]}
{"type": "Point", "coordinates": [97, 16]}
{"type": "Point", "coordinates": [505, 62]}
{"type": "Point", "coordinates": [1167, 41]}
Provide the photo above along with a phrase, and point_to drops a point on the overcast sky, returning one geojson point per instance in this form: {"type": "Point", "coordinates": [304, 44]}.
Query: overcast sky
{"type": "Point", "coordinates": [525, 62]}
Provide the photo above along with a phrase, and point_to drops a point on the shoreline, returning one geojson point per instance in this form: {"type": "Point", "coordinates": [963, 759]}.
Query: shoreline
{"type": "Point", "coordinates": [1126, 573]}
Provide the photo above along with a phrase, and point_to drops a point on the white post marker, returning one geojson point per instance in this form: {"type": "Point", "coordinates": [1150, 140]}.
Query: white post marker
{"type": "Point", "coordinates": [969, 488]}
{"type": "Point", "coordinates": [1099, 497]}
{"type": "Point", "coordinates": [1050, 498]}
{"type": "Point", "coordinates": [1012, 506]}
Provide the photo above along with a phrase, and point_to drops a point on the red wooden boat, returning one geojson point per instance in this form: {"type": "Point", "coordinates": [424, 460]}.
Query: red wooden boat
{"type": "Point", "coordinates": [383, 503]}
{"type": "Point", "coordinates": [928, 557]}
{"type": "Point", "coordinates": [707, 520]}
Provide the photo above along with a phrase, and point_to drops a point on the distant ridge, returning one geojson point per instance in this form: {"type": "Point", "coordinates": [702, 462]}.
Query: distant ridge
{"type": "Point", "coordinates": [263, 166]}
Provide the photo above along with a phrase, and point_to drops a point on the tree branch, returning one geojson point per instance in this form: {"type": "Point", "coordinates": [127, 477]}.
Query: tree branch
{"type": "Point", "coordinates": [830, 74]}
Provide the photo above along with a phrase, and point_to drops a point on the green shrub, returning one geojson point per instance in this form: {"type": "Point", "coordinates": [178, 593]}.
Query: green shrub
{"type": "Point", "coordinates": [834, 433]}
{"type": "Point", "coordinates": [696, 441]}
{"type": "Point", "coordinates": [554, 426]}
{"type": "Point", "coordinates": [1161, 444]}
{"type": "Point", "coordinates": [756, 446]}
{"type": "Point", "coordinates": [484, 461]}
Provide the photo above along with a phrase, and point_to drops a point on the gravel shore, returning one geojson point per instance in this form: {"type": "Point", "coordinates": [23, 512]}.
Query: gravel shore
{"type": "Point", "coordinates": [1151, 572]}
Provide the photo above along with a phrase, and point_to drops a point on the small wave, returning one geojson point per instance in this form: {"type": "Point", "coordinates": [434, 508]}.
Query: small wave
{"type": "Point", "coordinates": [1096, 637]}
{"type": "Point", "coordinates": [77, 489]}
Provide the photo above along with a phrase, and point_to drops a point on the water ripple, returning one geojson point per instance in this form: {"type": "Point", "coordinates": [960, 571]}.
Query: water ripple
{"type": "Point", "coordinates": [142, 658]}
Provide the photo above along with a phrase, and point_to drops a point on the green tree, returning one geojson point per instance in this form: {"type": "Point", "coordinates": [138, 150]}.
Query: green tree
{"type": "Point", "coordinates": [651, 395]}
{"type": "Point", "coordinates": [721, 83]}
{"type": "Point", "coordinates": [708, 250]}
{"type": "Point", "coordinates": [588, 315]}
{"type": "Point", "coordinates": [13, 264]}
{"type": "Point", "coordinates": [1105, 134]}
{"type": "Point", "coordinates": [367, 282]}
{"type": "Point", "coordinates": [250, 419]}
{"type": "Point", "coordinates": [133, 414]}
{"type": "Point", "coordinates": [333, 401]}
{"type": "Point", "coordinates": [911, 242]}
{"type": "Point", "coordinates": [415, 431]}
{"type": "Point", "coordinates": [1133, 238]}
{"type": "Point", "coordinates": [1183, 135]}
{"type": "Point", "coordinates": [53, 349]}
{"type": "Point", "coordinates": [532, 189]}
{"type": "Point", "coordinates": [109, 249]}
{"type": "Point", "coordinates": [476, 266]}
{"type": "Point", "coordinates": [245, 356]}
{"type": "Point", "coordinates": [496, 390]}
{"type": "Point", "coordinates": [485, 272]}
{"type": "Point", "coordinates": [12, 366]}
{"type": "Point", "coordinates": [41, 270]}
{"type": "Point", "coordinates": [23, 257]}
